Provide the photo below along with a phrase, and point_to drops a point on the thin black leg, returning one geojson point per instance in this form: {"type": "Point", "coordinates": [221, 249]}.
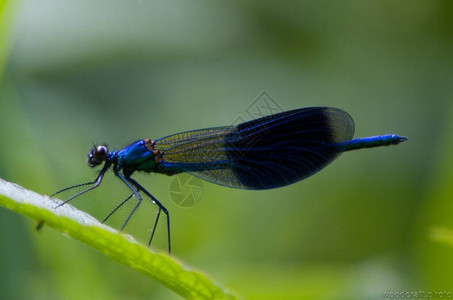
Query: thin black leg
{"type": "Point", "coordinates": [130, 215]}
{"type": "Point", "coordinates": [135, 192]}
{"type": "Point", "coordinates": [72, 187]}
{"type": "Point", "coordinates": [95, 183]}
{"type": "Point", "coordinates": [161, 207]}
{"type": "Point", "coordinates": [154, 227]}
{"type": "Point", "coordinates": [126, 181]}
{"type": "Point", "coordinates": [116, 208]}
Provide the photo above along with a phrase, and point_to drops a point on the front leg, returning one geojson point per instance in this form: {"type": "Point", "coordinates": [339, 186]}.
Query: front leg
{"type": "Point", "coordinates": [95, 183]}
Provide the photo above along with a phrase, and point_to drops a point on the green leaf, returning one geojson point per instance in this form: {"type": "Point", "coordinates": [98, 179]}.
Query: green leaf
{"type": "Point", "coordinates": [120, 247]}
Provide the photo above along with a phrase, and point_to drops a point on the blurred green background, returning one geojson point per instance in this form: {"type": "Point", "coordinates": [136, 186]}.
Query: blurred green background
{"type": "Point", "coordinates": [73, 72]}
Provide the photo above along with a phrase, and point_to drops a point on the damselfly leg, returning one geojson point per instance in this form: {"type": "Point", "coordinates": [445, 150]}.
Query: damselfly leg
{"type": "Point", "coordinates": [161, 207]}
{"type": "Point", "coordinates": [95, 184]}
{"type": "Point", "coordinates": [117, 207]}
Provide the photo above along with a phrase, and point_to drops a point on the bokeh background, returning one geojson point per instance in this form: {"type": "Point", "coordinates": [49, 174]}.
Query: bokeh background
{"type": "Point", "coordinates": [73, 72]}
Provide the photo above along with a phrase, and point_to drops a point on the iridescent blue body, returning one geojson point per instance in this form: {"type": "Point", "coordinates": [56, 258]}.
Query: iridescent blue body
{"type": "Point", "coordinates": [135, 157]}
{"type": "Point", "coordinates": [371, 142]}
{"type": "Point", "coordinates": [265, 153]}
{"type": "Point", "coordinates": [270, 152]}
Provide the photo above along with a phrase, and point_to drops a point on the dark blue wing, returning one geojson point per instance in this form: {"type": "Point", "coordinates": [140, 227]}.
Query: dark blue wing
{"type": "Point", "coordinates": [265, 153]}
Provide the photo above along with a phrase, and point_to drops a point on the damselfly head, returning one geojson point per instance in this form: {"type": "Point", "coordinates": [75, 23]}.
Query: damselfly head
{"type": "Point", "coordinates": [97, 155]}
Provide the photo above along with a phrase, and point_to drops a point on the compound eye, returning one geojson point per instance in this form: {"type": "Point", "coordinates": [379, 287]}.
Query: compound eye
{"type": "Point", "coordinates": [97, 156]}
{"type": "Point", "coordinates": [100, 154]}
{"type": "Point", "coordinates": [101, 150]}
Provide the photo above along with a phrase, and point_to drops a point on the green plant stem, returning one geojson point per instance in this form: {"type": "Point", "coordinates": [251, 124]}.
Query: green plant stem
{"type": "Point", "coordinates": [120, 247]}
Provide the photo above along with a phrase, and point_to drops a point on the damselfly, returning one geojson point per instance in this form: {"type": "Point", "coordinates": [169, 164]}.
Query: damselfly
{"type": "Point", "coordinates": [264, 153]}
